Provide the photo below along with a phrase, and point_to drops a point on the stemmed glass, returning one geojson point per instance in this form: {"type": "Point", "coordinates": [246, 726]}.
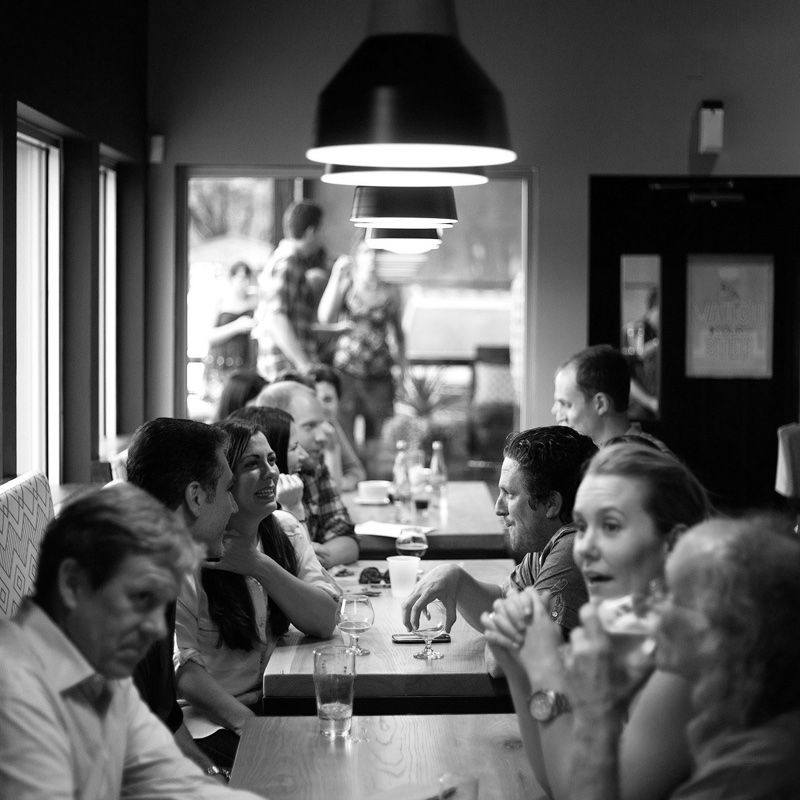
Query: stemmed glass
{"type": "Point", "coordinates": [431, 624]}
{"type": "Point", "coordinates": [354, 615]}
{"type": "Point", "coordinates": [411, 542]}
{"type": "Point", "coordinates": [631, 622]}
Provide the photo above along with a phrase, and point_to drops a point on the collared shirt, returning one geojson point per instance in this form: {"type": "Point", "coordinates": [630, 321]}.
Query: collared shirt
{"type": "Point", "coordinates": [326, 515]}
{"type": "Point", "coordinates": [197, 636]}
{"type": "Point", "coordinates": [66, 732]}
{"type": "Point", "coordinates": [554, 570]}
{"type": "Point", "coordinates": [284, 290]}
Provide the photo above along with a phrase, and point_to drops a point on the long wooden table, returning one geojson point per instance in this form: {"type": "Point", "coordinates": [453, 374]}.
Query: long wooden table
{"type": "Point", "coordinates": [385, 757]}
{"type": "Point", "coordinates": [465, 526]}
{"type": "Point", "coordinates": [390, 680]}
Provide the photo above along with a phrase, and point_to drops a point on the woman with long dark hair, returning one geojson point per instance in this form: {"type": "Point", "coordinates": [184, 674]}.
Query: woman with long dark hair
{"type": "Point", "coordinates": [231, 614]}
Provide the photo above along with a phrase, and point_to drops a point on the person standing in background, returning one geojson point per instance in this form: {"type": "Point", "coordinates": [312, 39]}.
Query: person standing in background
{"type": "Point", "coordinates": [366, 354]}
{"type": "Point", "coordinates": [230, 346]}
{"type": "Point", "coordinates": [344, 465]}
{"type": "Point", "coordinates": [287, 310]}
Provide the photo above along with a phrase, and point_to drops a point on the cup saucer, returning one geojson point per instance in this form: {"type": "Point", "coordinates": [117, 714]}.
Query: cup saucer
{"type": "Point", "coordinates": [363, 501]}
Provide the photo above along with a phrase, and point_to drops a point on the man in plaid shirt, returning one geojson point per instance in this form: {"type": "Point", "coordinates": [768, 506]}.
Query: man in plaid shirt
{"type": "Point", "coordinates": [329, 524]}
{"type": "Point", "coordinates": [287, 309]}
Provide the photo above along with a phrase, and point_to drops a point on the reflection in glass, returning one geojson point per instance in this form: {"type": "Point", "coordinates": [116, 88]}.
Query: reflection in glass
{"type": "Point", "coordinates": [640, 279]}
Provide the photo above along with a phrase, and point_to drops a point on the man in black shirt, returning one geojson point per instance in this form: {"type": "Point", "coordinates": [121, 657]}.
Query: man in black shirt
{"type": "Point", "coordinates": [181, 463]}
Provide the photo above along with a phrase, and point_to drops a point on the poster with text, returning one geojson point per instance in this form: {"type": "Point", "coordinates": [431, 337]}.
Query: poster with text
{"type": "Point", "coordinates": [729, 308]}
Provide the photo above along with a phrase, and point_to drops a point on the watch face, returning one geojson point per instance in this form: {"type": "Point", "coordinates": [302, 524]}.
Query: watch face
{"type": "Point", "coordinates": [542, 705]}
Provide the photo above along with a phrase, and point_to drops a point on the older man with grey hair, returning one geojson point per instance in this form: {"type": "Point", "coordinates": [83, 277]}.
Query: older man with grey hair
{"type": "Point", "coordinates": [72, 723]}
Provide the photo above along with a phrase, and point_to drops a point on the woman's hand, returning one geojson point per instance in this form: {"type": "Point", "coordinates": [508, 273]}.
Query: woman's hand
{"type": "Point", "coordinates": [521, 624]}
{"type": "Point", "coordinates": [602, 675]}
{"type": "Point", "coordinates": [239, 554]}
{"type": "Point", "coordinates": [289, 492]}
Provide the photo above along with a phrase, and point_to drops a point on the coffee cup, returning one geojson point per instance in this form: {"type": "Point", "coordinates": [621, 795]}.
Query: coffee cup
{"type": "Point", "coordinates": [373, 491]}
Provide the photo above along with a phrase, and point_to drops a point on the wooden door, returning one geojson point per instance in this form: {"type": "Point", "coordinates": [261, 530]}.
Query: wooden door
{"type": "Point", "coordinates": [724, 427]}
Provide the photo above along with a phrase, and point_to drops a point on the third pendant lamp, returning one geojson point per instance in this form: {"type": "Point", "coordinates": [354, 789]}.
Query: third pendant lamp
{"type": "Point", "coordinates": [411, 96]}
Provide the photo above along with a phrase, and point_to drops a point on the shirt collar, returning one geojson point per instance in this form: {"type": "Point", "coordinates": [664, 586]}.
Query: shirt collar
{"type": "Point", "coordinates": [62, 662]}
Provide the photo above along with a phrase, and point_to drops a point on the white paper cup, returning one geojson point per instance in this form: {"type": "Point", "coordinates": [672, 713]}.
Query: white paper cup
{"type": "Point", "coordinates": [402, 574]}
{"type": "Point", "coordinates": [373, 491]}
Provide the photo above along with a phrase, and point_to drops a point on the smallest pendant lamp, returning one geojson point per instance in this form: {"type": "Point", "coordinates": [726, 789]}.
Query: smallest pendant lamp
{"type": "Point", "coordinates": [404, 207]}
{"type": "Point", "coordinates": [404, 240]}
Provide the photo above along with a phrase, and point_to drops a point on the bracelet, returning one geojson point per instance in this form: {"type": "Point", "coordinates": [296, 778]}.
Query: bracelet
{"type": "Point", "coordinates": [214, 770]}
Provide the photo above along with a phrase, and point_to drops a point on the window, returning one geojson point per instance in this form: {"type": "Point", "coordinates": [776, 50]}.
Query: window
{"type": "Point", "coordinates": [107, 312]}
{"type": "Point", "coordinates": [38, 310]}
{"type": "Point", "coordinates": [464, 305]}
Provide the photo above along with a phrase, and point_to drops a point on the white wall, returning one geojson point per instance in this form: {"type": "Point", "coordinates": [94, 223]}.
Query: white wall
{"type": "Point", "coordinates": [591, 86]}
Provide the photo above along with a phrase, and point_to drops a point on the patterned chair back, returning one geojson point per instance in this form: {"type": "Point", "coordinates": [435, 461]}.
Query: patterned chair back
{"type": "Point", "coordinates": [26, 507]}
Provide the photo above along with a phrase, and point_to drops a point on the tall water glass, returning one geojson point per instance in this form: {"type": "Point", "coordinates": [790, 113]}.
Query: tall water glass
{"type": "Point", "coordinates": [334, 682]}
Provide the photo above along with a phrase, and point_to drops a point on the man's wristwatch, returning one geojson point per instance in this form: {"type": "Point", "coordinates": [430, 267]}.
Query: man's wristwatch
{"type": "Point", "coordinates": [545, 704]}
{"type": "Point", "coordinates": [214, 770]}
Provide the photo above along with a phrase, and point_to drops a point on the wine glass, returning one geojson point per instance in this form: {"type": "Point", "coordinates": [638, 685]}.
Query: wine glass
{"type": "Point", "coordinates": [411, 542]}
{"type": "Point", "coordinates": [631, 623]}
{"type": "Point", "coordinates": [354, 615]}
{"type": "Point", "coordinates": [431, 624]}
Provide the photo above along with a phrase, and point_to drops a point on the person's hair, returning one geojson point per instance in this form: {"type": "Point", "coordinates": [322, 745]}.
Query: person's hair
{"type": "Point", "coordinates": [100, 530]}
{"type": "Point", "coordinates": [282, 394]}
{"type": "Point", "coordinates": [166, 455]}
{"type": "Point", "coordinates": [602, 368]}
{"type": "Point", "coordinates": [325, 374]}
{"type": "Point", "coordinates": [300, 216]}
{"type": "Point", "coordinates": [747, 585]}
{"type": "Point", "coordinates": [551, 459]}
{"type": "Point", "coordinates": [229, 602]}
{"type": "Point", "coordinates": [294, 377]}
{"type": "Point", "coordinates": [275, 424]}
{"type": "Point", "coordinates": [240, 266]}
{"type": "Point", "coordinates": [241, 387]}
{"type": "Point", "coordinates": [672, 494]}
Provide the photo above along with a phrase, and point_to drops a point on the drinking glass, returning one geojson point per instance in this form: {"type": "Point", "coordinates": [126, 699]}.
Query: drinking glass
{"type": "Point", "coordinates": [431, 624]}
{"type": "Point", "coordinates": [411, 542]}
{"type": "Point", "coordinates": [631, 622]}
{"type": "Point", "coordinates": [334, 677]}
{"type": "Point", "coordinates": [354, 615]}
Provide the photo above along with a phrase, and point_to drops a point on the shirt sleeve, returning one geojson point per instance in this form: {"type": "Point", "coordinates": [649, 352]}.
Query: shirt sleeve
{"type": "Point", "coordinates": [559, 576]}
{"type": "Point", "coordinates": [309, 570]}
{"type": "Point", "coordinates": [156, 768]}
{"type": "Point", "coordinates": [521, 577]}
{"type": "Point", "coordinates": [333, 518]}
{"type": "Point", "coordinates": [187, 617]}
{"type": "Point", "coordinates": [35, 753]}
{"type": "Point", "coordinates": [278, 288]}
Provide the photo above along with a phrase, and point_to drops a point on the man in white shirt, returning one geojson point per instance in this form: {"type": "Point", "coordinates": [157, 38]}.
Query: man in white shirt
{"type": "Point", "coordinates": [72, 723]}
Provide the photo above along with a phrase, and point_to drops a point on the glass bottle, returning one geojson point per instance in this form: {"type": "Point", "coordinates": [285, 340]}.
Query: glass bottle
{"type": "Point", "coordinates": [401, 484]}
{"type": "Point", "coordinates": [438, 474]}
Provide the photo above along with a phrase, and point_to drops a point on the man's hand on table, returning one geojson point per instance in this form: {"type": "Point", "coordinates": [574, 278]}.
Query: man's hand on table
{"type": "Point", "coordinates": [441, 583]}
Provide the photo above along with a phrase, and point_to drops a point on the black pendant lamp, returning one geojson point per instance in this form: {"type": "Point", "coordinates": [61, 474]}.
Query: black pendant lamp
{"type": "Point", "coordinates": [404, 240]}
{"type": "Point", "coordinates": [411, 96]}
{"type": "Point", "coordinates": [404, 207]}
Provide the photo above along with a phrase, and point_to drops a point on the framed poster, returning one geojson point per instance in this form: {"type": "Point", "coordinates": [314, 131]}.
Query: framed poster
{"type": "Point", "coordinates": [729, 314]}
